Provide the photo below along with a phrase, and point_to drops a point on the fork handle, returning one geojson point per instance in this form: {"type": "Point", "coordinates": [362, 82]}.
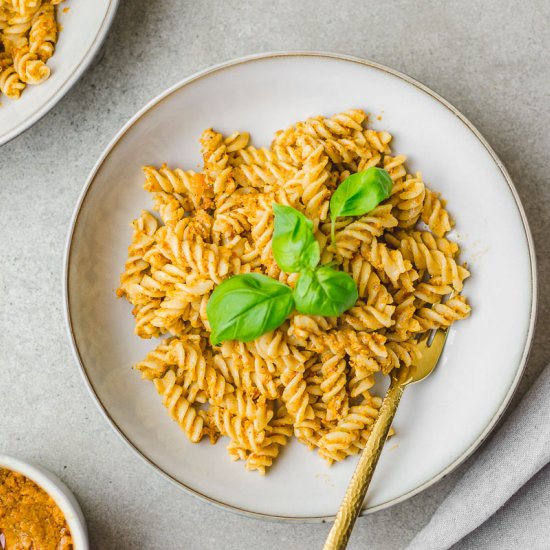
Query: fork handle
{"type": "Point", "coordinates": [355, 495]}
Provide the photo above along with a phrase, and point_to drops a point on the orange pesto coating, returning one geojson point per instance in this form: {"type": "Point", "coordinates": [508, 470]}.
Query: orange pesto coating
{"type": "Point", "coordinates": [29, 518]}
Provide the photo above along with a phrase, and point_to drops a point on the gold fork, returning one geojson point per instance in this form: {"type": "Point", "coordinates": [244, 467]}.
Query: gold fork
{"type": "Point", "coordinates": [400, 379]}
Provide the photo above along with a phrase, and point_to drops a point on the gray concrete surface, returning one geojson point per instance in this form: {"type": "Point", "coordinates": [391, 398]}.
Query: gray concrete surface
{"type": "Point", "coordinates": [490, 59]}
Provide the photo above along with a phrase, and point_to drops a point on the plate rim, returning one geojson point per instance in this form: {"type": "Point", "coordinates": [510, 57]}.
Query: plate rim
{"type": "Point", "coordinates": [333, 56]}
{"type": "Point", "coordinates": [73, 78]}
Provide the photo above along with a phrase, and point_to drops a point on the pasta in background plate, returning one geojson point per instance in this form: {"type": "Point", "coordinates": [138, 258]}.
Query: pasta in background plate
{"type": "Point", "coordinates": [312, 377]}
{"type": "Point", "coordinates": [28, 33]}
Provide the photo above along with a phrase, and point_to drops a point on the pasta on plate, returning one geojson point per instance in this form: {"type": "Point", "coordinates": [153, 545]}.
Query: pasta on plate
{"type": "Point", "coordinates": [312, 377]}
{"type": "Point", "coordinates": [28, 34]}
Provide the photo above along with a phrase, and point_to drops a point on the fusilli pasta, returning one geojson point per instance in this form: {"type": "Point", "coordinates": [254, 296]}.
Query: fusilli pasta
{"type": "Point", "coordinates": [313, 376]}
{"type": "Point", "coordinates": [28, 34]}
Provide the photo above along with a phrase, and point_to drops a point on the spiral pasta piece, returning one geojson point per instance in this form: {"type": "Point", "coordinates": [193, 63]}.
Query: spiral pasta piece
{"type": "Point", "coordinates": [15, 31]}
{"type": "Point", "coordinates": [342, 124]}
{"type": "Point", "coordinates": [240, 430]}
{"type": "Point", "coordinates": [350, 236]}
{"type": "Point", "coordinates": [435, 215]}
{"type": "Point", "coordinates": [218, 172]}
{"type": "Point", "coordinates": [333, 386]}
{"type": "Point", "coordinates": [280, 431]}
{"type": "Point", "coordinates": [407, 199]}
{"type": "Point", "coordinates": [10, 83]}
{"type": "Point", "coordinates": [188, 187]}
{"type": "Point", "coordinates": [155, 363]}
{"type": "Point", "coordinates": [435, 262]}
{"type": "Point", "coordinates": [180, 409]}
{"type": "Point", "coordinates": [444, 314]}
{"type": "Point", "coordinates": [387, 261]}
{"type": "Point", "coordinates": [312, 183]}
{"type": "Point", "coordinates": [43, 32]}
{"type": "Point", "coordinates": [348, 430]}
{"type": "Point", "coordinates": [375, 308]}
{"type": "Point", "coordinates": [136, 267]}
{"type": "Point", "coordinates": [259, 168]}
{"type": "Point", "coordinates": [187, 355]}
{"type": "Point", "coordinates": [23, 7]}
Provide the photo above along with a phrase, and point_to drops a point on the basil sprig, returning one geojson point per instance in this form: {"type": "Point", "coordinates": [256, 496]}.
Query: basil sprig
{"type": "Point", "coordinates": [325, 291]}
{"type": "Point", "coordinates": [294, 245]}
{"type": "Point", "coordinates": [359, 194]}
{"type": "Point", "coordinates": [246, 306]}
{"type": "Point", "coordinates": [320, 290]}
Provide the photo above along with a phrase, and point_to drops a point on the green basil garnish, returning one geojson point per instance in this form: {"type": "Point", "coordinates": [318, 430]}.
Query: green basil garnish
{"type": "Point", "coordinates": [325, 291]}
{"type": "Point", "coordinates": [246, 306]}
{"type": "Point", "coordinates": [359, 194]}
{"type": "Point", "coordinates": [294, 245]}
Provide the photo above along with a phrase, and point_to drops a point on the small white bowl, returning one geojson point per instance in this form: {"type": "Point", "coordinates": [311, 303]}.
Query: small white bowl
{"type": "Point", "coordinates": [59, 492]}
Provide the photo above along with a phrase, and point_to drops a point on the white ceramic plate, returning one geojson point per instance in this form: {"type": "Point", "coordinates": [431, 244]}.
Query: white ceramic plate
{"type": "Point", "coordinates": [84, 26]}
{"type": "Point", "coordinates": [440, 422]}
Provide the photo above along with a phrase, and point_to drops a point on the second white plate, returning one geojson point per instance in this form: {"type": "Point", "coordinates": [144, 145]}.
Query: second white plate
{"type": "Point", "coordinates": [439, 422]}
{"type": "Point", "coordinates": [84, 27]}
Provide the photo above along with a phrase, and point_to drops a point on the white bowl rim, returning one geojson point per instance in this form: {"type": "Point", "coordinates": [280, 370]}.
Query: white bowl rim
{"type": "Point", "coordinates": [329, 55]}
{"type": "Point", "coordinates": [58, 491]}
{"type": "Point", "coordinates": [71, 80]}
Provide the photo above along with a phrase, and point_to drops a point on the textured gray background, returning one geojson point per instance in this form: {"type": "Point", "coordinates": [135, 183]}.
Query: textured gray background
{"type": "Point", "coordinates": [490, 59]}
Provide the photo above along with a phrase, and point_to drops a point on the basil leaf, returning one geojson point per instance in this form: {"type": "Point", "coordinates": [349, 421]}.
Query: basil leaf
{"type": "Point", "coordinates": [359, 194]}
{"type": "Point", "coordinates": [294, 245]}
{"type": "Point", "coordinates": [325, 291]}
{"type": "Point", "coordinates": [246, 306]}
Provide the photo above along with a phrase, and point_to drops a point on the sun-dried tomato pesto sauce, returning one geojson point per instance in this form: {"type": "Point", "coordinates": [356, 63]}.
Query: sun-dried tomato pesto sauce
{"type": "Point", "coordinates": [29, 518]}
